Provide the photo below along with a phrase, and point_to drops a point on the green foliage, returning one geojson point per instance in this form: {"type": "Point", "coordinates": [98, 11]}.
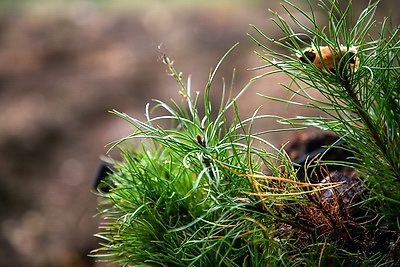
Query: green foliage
{"type": "Point", "coordinates": [196, 193]}
{"type": "Point", "coordinates": [362, 105]}
{"type": "Point", "coordinates": [181, 200]}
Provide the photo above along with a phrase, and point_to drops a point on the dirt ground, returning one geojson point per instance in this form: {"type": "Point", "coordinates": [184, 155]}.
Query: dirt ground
{"type": "Point", "coordinates": [62, 69]}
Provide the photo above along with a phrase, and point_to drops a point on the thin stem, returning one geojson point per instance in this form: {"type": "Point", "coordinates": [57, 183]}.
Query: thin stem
{"type": "Point", "coordinates": [368, 122]}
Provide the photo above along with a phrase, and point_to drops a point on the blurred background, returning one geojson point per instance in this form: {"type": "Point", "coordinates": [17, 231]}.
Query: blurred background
{"type": "Point", "coordinates": [65, 64]}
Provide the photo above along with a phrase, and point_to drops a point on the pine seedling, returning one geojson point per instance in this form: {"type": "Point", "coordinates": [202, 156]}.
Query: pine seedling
{"type": "Point", "coordinates": [196, 194]}
{"type": "Point", "coordinates": [180, 199]}
{"type": "Point", "coordinates": [359, 82]}
{"type": "Point", "coordinates": [206, 192]}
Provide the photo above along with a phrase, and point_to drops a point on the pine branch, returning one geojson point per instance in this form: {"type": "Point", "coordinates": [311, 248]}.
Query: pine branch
{"type": "Point", "coordinates": [372, 130]}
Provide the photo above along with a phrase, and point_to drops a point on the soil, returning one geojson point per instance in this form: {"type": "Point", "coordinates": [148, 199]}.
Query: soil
{"type": "Point", "coordinates": [335, 212]}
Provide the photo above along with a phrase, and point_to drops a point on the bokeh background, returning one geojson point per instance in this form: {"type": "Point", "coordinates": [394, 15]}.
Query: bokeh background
{"type": "Point", "coordinates": [65, 64]}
